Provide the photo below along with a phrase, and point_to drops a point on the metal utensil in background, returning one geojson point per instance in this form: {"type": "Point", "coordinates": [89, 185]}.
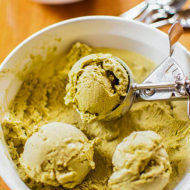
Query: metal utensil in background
{"type": "Point", "coordinates": [165, 12]}
{"type": "Point", "coordinates": [135, 11]}
{"type": "Point", "coordinates": [154, 5]}
{"type": "Point", "coordinates": [155, 16]}
{"type": "Point", "coordinates": [150, 11]}
{"type": "Point", "coordinates": [175, 6]}
{"type": "Point", "coordinates": [182, 16]}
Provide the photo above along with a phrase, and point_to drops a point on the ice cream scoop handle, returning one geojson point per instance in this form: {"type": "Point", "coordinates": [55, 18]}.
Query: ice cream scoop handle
{"type": "Point", "coordinates": [163, 85]}
{"type": "Point", "coordinates": [175, 33]}
{"type": "Point", "coordinates": [180, 90]}
{"type": "Point", "coordinates": [147, 91]}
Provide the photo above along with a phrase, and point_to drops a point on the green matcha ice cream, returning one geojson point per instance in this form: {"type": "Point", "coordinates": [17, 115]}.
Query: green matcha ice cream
{"type": "Point", "coordinates": [97, 85]}
{"type": "Point", "coordinates": [140, 163]}
{"type": "Point", "coordinates": [58, 154]}
{"type": "Point", "coordinates": [40, 101]}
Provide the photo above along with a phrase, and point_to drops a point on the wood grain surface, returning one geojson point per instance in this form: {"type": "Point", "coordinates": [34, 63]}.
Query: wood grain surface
{"type": "Point", "coordinates": [21, 18]}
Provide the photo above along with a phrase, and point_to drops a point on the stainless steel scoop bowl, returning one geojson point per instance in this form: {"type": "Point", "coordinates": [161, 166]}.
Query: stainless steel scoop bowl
{"type": "Point", "coordinates": [166, 82]}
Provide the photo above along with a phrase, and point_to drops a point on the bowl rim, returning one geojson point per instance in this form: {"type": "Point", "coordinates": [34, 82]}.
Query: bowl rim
{"type": "Point", "coordinates": [84, 18]}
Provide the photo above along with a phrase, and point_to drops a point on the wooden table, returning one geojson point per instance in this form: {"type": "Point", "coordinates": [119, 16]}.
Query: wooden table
{"type": "Point", "coordinates": [21, 18]}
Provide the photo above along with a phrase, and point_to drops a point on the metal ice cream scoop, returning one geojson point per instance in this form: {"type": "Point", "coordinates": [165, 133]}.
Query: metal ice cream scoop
{"type": "Point", "coordinates": [166, 82]}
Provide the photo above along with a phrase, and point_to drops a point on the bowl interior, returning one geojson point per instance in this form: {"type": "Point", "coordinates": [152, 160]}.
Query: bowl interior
{"type": "Point", "coordinates": [99, 31]}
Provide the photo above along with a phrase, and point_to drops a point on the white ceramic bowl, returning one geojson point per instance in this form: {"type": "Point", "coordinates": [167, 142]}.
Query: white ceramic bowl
{"type": "Point", "coordinates": [103, 31]}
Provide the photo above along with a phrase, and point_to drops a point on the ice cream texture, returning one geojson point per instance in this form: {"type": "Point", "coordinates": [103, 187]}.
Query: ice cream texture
{"type": "Point", "coordinates": [140, 162]}
{"type": "Point", "coordinates": [40, 101]}
{"type": "Point", "coordinates": [97, 85]}
{"type": "Point", "coordinates": [58, 154]}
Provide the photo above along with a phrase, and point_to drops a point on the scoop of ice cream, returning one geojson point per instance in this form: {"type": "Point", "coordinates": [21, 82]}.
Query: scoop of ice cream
{"type": "Point", "coordinates": [58, 154]}
{"type": "Point", "coordinates": [97, 85]}
{"type": "Point", "coordinates": [140, 163]}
